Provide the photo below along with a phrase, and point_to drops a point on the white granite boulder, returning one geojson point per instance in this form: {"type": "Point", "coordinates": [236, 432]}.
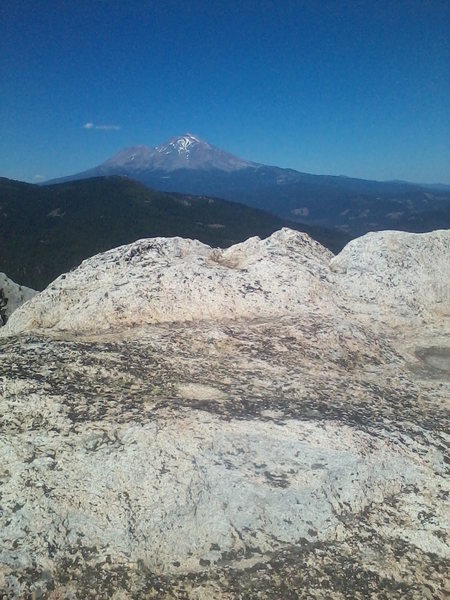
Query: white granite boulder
{"type": "Point", "coordinates": [171, 280]}
{"type": "Point", "coordinates": [12, 296]}
{"type": "Point", "coordinates": [394, 274]}
{"type": "Point", "coordinates": [387, 276]}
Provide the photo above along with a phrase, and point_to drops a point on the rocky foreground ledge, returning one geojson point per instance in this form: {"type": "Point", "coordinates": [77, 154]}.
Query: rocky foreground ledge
{"type": "Point", "coordinates": [387, 276]}
{"type": "Point", "coordinates": [265, 421]}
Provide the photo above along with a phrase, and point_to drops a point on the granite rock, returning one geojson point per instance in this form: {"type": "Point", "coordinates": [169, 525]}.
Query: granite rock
{"type": "Point", "coordinates": [12, 296]}
{"type": "Point", "coordinates": [385, 276]}
{"type": "Point", "coordinates": [288, 439]}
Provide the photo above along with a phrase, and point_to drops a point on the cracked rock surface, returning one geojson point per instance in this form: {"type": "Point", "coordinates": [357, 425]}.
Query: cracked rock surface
{"type": "Point", "coordinates": [298, 453]}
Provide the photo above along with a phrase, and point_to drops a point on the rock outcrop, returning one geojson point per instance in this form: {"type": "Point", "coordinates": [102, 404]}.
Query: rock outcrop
{"type": "Point", "coordinates": [261, 422]}
{"type": "Point", "coordinates": [396, 274]}
{"type": "Point", "coordinates": [385, 275]}
{"type": "Point", "coordinates": [12, 296]}
{"type": "Point", "coordinates": [170, 280]}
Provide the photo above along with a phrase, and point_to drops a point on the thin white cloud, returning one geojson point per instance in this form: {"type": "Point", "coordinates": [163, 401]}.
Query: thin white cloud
{"type": "Point", "coordinates": [108, 127]}
{"type": "Point", "coordinates": [90, 125]}
{"type": "Point", "coordinates": [39, 177]}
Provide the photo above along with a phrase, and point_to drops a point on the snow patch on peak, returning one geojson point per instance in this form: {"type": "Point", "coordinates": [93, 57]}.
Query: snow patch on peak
{"type": "Point", "coordinates": [191, 138]}
{"type": "Point", "coordinates": [182, 145]}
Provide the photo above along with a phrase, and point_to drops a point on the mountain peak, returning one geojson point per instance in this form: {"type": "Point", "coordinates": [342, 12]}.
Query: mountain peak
{"type": "Point", "coordinates": [186, 151]}
{"type": "Point", "coordinates": [182, 144]}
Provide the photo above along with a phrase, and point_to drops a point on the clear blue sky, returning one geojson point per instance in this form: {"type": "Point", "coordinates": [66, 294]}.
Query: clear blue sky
{"type": "Point", "coordinates": [360, 88]}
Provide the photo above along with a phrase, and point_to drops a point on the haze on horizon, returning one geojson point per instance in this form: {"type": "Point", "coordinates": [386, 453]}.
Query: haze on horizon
{"type": "Point", "coordinates": [353, 88]}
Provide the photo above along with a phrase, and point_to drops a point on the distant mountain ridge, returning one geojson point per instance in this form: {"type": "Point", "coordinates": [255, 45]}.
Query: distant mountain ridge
{"type": "Point", "coordinates": [188, 164]}
{"type": "Point", "coordinates": [47, 230]}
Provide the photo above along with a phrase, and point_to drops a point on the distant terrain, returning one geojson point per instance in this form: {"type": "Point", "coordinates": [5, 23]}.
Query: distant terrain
{"type": "Point", "coordinates": [187, 164]}
{"type": "Point", "coordinates": [47, 230]}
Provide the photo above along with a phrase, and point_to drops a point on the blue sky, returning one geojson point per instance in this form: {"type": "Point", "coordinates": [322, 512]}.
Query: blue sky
{"type": "Point", "coordinates": [359, 88]}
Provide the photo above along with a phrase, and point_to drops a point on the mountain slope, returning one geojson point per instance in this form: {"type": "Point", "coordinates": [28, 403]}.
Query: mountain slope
{"type": "Point", "coordinates": [187, 164]}
{"type": "Point", "coordinates": [183, 152]}
{"type": "Point", "coordinates": [47, 230]}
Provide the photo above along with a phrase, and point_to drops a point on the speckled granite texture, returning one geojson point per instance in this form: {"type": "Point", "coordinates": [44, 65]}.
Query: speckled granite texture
{"type": "Point", "coordinates": [262, 422]}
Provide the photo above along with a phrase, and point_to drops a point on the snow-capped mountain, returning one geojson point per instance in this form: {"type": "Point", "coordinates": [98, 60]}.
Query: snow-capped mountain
{"type": "Point", "coordinates": [190, 165]}
{"type": "Point", "coordinates": [183, 152]}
